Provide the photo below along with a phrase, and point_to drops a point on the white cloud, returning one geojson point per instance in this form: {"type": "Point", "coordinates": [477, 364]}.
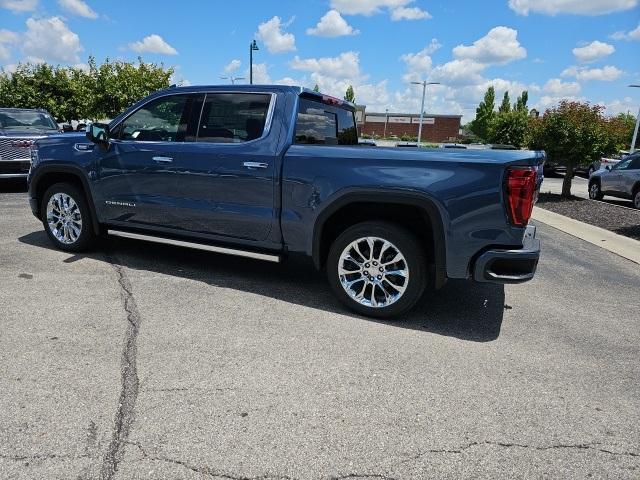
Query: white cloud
{"type": "Point", "coordinates": [78, 7]}
{"type": "Point", "coordinates": [458, 73]}
{"type": "Point", "coordinates": [630, 35]}
{"type": "Point", "coordinates": [366, 7]}
{"type": "Point", "coordinates": [272, 35]}
{"type": "Point", "coordinates": [605, 74]}
{"type": "Point", "coordinates": [593, 51]}
{"type": "Point", "coordinates": [332, 25]}
{"type": "Point", "coordinates": [398, 9]}
{"type": "Point", "coordinates": [50, 39]}
{"type": "Point", "coordinates": [153, 44]}
{"type": "Point", "coordinates": [499, 46]}
{"type": "Point", "coordinates": [557, 88]}
{"type": "Point", "coordinates": [6, 37]}
{"type": "Point", "coordinates": [409, 13]}
{"type": "Point", "coordinates": [345, 65]}
{"type": "Point", "coordinates": [17, 6]}
{"type": "Point", "coordinates": [260, 73]}
{"type": "Point", "coordinates": [576, 7]}
{"type": "Point", "coordinates": [232, 66]}
{"type": "Point", "coordinates": [419, 64]}
{"type": "Point", "coordinates": [617, 106]}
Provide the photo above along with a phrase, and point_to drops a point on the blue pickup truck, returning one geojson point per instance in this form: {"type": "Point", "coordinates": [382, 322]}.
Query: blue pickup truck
{"type": "Point", "coordinates": [273, 171]}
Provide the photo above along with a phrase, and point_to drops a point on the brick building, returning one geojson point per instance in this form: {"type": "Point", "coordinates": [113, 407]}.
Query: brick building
{"type": "Point", "coordinates": [435, 128]}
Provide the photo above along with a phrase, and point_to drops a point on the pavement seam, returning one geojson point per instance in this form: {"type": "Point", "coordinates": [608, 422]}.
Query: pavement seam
{"type": "Point", "coordinates": [125, 411]}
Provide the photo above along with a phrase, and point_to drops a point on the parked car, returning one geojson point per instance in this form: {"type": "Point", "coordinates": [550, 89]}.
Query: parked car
{"type": "Point", "coordinates": [604, 162]}
{"type": "Point", "coordinates": [622, 180]}
{"type": "Point", "coordinates": [366, 141]}
{"type": "Point", "coordinates": [19, 128]}
{"type": "Point", "coordinates": [279, 172]}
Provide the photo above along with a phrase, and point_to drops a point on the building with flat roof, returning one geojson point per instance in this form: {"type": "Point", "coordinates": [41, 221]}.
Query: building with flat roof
{"type": "Point", "coordinates": [435, 127]}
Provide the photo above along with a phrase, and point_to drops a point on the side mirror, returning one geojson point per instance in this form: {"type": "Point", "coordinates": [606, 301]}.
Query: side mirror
{"type": "Point", "coordinates": [608, 167]}
{"type": "Point", "coordinates": [98, 132]}
{"type": "Point", "coordinates": [66, 128]}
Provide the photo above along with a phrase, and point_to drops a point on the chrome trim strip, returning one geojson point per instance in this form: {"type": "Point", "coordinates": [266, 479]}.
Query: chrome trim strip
{"type": "Point", "coordinates": [196, 246]}
{"type": "Point", "coordinates": [13, 175]}
{"type": "Point", "coordinates": [12, 160]}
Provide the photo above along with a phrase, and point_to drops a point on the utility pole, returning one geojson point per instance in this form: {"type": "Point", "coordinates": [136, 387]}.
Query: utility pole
{"type": "Point", "coordinates": [252, 46]}
{"type": "Point", "coordinates": [635, 130]}
{"type": "Point", "coordinates": [386, 120]}
{"type": "Point", "coordinates": [424, 84]}
{"type": "Point", "coordinates": [232, 78]}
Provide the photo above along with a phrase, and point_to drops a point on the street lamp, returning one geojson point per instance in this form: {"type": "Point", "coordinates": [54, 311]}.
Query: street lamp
{"type": "Point", "coordinates": [635, 131]}
{"type": "Point", "coordinates": [252, 46]}
{"type": "Point", "coordinates": [232, 78]}
{"type": "Point", "coordinates": [424, 84]}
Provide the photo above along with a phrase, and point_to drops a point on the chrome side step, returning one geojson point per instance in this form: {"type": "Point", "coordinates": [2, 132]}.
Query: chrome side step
{"type": "Point", "coordinates": [197, 246]}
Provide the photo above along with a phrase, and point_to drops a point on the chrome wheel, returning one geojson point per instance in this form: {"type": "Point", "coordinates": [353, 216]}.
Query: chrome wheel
{"type": "Point", "coordinates": [636, 200]}
{"type": "Point", "coordinates": [594, 191]}
{"type": "Point", "coordinates": [64, 218]}
{"type": "Point", "coordinates": [373, 272]}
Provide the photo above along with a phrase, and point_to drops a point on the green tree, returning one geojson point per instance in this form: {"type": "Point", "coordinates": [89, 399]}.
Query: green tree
{"type": "Point", "coordinates": [573, 134]}
{"type": "Point", "coordinates": [350, 96]}
{"type": "Point", "coordinates": [316, 88]}
{"type": "Point", "coordinates": [505, 106]}
{"type": "Point", "coordinates": [71, 93]}
{"type": "Point", "coordinates": [521, 102]}
{"type": "Point", "coordinates": [484, 114]}
{"type": "Point", "coordinates": [509, 128]}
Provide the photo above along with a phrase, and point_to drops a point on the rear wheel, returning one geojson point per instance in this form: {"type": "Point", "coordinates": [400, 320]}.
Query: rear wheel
{"type": "Point", "coordinates": [636, 198]}
{"type": "Point", "coordinates": [594, 191]}
{"type": "Point", "coordinates": [378, 269]}
{"type": "Point", "coordinates": [66, 218]}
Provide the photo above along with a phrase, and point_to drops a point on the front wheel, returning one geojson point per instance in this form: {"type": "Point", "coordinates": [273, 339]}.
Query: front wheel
{"type": "Point", "coordinates": [594, 191]}
{"type": "Point", "coordinates": [378, 269]}
{"type": "Point", "coordinates": [636, 198]}
{"type": "Point", "coordinates": [66, 218]}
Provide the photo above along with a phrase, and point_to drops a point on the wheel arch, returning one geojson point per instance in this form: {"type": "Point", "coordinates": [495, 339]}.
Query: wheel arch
{"type": "Point", "coordinates": [46, 176]}
{"type": "Point", "coordinates": [331, 221]}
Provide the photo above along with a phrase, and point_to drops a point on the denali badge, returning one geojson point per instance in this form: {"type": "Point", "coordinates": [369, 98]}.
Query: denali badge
{"type": "Point", "coordinates": [119, 204]}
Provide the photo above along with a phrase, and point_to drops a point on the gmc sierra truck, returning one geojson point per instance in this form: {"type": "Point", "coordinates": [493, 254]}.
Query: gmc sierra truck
{"type": "Point", "coordinates": [272, 171]}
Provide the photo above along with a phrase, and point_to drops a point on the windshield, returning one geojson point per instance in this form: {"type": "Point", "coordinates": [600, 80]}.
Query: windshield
{"type": "Point", "coordinates": [27, 119]}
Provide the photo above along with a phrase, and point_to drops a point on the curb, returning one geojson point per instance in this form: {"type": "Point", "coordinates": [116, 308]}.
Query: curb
{"type": "Point", "coordinates": [623, 246]}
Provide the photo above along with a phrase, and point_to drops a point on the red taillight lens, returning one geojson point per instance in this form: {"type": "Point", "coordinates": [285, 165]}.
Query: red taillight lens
{"type": "Point", "coordinates": [521, 187]}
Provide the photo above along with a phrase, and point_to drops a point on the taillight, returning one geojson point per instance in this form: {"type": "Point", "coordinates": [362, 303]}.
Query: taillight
{"type": "Point", "coordinates": [521, 187]}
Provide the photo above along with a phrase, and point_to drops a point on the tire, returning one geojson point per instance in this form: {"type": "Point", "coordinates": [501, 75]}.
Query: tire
{"type": "Point", "coordinates": [594, 191]}
{"type": "Point", "coordinates": [636, 198]}
{"type": "Point", "coordinates": [390, 294]}
{"type": "Point", "coordinates": [65, 204]}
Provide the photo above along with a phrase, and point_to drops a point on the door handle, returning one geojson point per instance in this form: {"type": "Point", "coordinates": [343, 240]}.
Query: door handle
{"type": "Point", "coordinates": [255, 164]}
{"type": "Point", "coordinates": [163, 159]}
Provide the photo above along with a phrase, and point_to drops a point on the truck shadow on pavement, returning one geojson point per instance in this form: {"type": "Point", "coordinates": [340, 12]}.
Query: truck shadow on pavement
{"type": "Point", "coordinates": [461, 309]}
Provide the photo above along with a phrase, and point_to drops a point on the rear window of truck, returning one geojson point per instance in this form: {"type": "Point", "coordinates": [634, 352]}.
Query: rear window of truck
{"type": "Point", "coordinates": [321, 124]}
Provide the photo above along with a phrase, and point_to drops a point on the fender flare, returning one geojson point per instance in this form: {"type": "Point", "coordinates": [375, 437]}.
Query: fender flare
{"type": "Point", "coordinates": [397, 197]}
{"type": "Point", "coordinates": [44, 170]}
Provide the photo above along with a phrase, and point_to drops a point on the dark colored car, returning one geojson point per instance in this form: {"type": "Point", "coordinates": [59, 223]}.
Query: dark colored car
{"type": "Point", "coordinates": [19, 128]}
{"type": "Point", "coordinates": [274, 171]}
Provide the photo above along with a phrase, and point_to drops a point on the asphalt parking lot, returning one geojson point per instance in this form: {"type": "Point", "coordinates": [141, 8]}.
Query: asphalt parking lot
{"type": "Point", "coordinates": [139, 361]}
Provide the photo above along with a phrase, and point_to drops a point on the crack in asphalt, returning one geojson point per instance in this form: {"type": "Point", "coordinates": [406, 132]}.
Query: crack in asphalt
{"type": "Point", "coordinates": [205, 470]}
{"type": "Point", "coordinates": [129, 377]}
{"type": "Point", "coordinates": [577, 446]}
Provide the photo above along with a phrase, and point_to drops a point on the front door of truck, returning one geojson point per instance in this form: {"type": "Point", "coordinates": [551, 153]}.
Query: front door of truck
{"type": "Point", "coordinates": [137, 182]}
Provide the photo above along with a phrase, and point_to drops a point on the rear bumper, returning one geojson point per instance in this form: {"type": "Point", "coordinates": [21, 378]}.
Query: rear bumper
{"type": "Point", "coordinates": [509, 266]}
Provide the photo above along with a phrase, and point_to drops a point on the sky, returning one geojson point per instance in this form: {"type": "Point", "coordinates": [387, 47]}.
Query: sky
{"type": "Point", "coordinates": [585, 50]}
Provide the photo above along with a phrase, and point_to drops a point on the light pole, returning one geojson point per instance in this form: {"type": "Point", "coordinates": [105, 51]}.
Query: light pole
{"type": "Point", "coordinates": [386, 120]}
{"type": "Point", "coordinates": [424, 84]}
{"type": "Point", "coordinates": [252, 46]}
{"type": "Point", "coordinates": [232, 78]}
{"type": "Point", "coordinates": [635, 131]}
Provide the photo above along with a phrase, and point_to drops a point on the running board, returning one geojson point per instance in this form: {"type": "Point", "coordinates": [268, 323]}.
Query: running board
{"type": "Point", "coordinates": [196, 246]}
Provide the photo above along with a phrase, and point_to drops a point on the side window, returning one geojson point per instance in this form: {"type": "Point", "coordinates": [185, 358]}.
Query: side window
{"type": "Point", "coordinates": [635, 163]}
{"type": "Point", "coordinates": [622, 164]}
{"type": "Point", "coordinates": [233, 117]}
{"type": "Point", "coordinates": [161, 120]}
{"type": "Point", "coordinates": [320, 124]}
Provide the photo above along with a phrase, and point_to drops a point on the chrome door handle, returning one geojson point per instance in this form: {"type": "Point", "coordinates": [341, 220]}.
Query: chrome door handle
{"type": "Point", "coordinates": [163, 159]}
{"type": "Point", "coordinates": [255, 164]}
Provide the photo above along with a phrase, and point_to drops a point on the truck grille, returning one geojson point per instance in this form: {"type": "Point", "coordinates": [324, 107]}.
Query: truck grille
{"type": "Point", "coordinates": [10, 152]}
